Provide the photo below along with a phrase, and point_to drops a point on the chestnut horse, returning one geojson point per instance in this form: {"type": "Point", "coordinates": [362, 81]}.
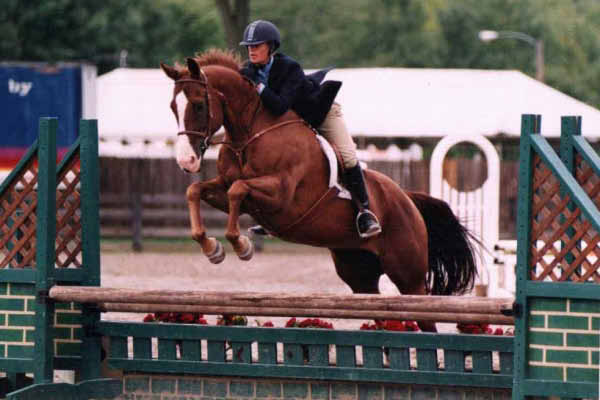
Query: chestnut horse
{"type": "Point", "coordinates": [273, 168]}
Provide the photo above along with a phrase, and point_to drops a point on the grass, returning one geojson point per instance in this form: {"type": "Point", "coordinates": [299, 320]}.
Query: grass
{"type": "Point", "coordinates": [187, 245]}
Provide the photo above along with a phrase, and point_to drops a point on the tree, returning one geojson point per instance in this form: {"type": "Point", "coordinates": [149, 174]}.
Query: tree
{"type": "Point", "coordinates": [235, 18]}
{"type": "Point", "coordinates": [73, 30]}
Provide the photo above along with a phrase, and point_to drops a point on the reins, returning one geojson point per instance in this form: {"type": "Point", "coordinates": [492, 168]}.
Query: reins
{"type": "Point", "coordinates": [238, 151]}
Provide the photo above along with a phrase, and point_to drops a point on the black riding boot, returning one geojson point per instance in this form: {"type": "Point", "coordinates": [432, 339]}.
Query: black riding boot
{"type": "Point", "coordinates": [366, 222]}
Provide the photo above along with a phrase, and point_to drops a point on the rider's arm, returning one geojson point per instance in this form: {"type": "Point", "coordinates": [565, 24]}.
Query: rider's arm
{"type": "Point", "coordinates": [279, 103]}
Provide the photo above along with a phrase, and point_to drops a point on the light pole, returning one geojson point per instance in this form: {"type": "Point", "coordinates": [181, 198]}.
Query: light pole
{"type": "Point", "coordinates": [538, 45]}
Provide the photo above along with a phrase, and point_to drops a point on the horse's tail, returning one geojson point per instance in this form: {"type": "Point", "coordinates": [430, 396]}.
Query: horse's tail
{"type": "Point", "coordinates": [452, 266]}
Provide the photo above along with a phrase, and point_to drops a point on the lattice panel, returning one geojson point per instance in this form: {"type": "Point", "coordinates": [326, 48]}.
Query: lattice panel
{"type": "Point", "coordinates": [68, 219]}
{"type": "Point", "coordinates": [564, 246]}
{"type": "Point", "coordinates": [18, 220]}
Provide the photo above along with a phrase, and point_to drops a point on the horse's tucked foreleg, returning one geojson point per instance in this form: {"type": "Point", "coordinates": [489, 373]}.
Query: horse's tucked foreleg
{"type": "Point", "coordinates": [214, 193]}
{"type": "Point", "coordinates": [241, 244]}
{"type": "Point", "coordinates": [264, 190]}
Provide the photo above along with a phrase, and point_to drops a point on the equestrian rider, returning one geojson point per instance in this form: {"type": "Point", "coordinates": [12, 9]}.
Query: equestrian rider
{"type": "Point", "coordinates": [282, 85]}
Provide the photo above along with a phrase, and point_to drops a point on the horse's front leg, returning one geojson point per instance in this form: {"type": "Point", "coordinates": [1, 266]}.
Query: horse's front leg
{"type": "Point", "coordinates": [214, 193]}
{"type": "Point", "coordinates": [266, 191]}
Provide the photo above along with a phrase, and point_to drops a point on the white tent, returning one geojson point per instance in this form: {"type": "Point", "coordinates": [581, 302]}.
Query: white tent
{"type": "Point", "coordinates": [133, 105]}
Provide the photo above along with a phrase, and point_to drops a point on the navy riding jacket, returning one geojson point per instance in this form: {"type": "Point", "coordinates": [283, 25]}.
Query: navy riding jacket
{"type": "Point", "coordinates": [289, 88]}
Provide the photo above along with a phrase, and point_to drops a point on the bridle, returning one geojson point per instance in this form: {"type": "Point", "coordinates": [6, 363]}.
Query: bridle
{"type": "Point", "coordinates": [208, 113]}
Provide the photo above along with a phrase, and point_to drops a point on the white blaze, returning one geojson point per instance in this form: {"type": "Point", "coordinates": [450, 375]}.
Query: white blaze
{"type": "Point", "coordinates": [184, 152]}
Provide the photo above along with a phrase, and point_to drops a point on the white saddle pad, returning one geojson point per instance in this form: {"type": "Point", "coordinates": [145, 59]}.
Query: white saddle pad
{"type": "Point", "coordinates": [334, 177]}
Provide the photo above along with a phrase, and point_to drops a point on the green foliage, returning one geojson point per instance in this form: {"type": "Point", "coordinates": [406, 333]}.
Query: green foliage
{"type": "Point", "coordinates": [72, 30]}
{"type": "Point", "coordinates": [343, 33]}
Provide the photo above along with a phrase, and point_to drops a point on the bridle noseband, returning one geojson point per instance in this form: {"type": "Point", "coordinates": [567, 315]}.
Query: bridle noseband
{"type": "Point", "coordinates": [208, 115]}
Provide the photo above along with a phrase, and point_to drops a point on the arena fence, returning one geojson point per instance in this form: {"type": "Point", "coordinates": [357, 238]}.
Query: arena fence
{"type": "Point", "coordinates": [49, 249]}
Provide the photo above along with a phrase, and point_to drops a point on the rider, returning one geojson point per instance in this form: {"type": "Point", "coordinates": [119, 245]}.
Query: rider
{"type": "Point", "coordinates": [282, 85]}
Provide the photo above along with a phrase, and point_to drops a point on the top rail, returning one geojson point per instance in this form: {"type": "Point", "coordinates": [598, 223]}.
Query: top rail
{"type": "Point", "coordinates": [431, 308]}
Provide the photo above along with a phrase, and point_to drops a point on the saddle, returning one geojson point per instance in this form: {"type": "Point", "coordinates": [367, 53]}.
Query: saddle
{"type": "Point", "coordinates": [335, 166]}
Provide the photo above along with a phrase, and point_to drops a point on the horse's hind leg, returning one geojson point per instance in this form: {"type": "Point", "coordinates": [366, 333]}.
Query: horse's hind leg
{"type": "Point", "coordinates": [359, 269]}
{"type": "Point", "coordinates": [407, 269]}
{"type": "Point", "coordinates": [425, 326]}
{"type": "Point", "coordinates": [410, 280]}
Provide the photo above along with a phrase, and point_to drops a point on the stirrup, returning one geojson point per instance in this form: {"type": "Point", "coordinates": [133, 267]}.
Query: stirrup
{"type": "Point", "coordinates": [372, 229]}
{"type": "Point", "coordinates": [258, 230]}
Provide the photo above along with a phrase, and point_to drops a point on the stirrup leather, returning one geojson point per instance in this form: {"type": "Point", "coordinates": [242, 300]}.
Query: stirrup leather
{"type": "Point", "coordinates": [372, 229]}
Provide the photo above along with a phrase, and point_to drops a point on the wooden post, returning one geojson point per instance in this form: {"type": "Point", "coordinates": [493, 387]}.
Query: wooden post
{"type": "Point", "coordinates": [45, 252]}
{"type": "Point", "coordinates": [135, 203]}
{"type": "Point", "coordinates": [90, 182]}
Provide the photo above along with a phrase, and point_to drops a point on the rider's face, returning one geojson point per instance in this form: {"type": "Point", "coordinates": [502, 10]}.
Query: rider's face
{"type": "Point", "coordinates": [259, 54]}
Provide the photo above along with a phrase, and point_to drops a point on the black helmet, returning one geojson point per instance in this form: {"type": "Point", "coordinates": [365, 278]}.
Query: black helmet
{"type": "Point", "coordinates": [259, 32]}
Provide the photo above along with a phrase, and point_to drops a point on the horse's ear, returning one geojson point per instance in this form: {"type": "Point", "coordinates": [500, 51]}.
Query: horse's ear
{"type": "Point", "coordinates": [194, 68]}
{"type": "Point", "coordinates": [171, 72]}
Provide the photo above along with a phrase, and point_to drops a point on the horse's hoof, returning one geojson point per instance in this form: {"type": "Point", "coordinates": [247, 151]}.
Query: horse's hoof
{"type": "Point", "coordinates": [249, 253]}
{"type": "Point", "coordinates": [218, 255]}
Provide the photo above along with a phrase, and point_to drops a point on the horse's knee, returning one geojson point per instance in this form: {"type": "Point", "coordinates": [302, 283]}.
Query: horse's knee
{"type": "Point", "coordinates": [237, 191]}
{"type": "Point", "coordinates": [193, 193]}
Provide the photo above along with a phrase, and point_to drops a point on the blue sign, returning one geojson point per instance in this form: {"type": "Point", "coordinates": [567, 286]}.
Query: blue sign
{"type": "Point", "coordinates": [31, 91]}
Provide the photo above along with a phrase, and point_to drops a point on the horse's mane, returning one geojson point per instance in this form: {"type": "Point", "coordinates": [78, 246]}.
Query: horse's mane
{"type": "Point", "coordinates": [225, 58]}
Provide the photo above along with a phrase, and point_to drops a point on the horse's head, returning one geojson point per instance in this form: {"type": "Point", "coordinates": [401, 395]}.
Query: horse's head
{"type": "Point", "coordinates": [200, 107]}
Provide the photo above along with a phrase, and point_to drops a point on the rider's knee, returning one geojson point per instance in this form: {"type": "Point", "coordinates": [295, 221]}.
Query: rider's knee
{"type": "Point", "coordinates": [349, 158]}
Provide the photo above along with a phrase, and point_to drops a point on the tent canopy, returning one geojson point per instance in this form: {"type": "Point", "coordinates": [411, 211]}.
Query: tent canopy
{"type": "Point", "coordinates": [133, 104]}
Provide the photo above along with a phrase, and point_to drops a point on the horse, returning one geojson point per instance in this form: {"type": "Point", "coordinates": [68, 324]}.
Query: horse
{"type": "Point", "coordinates": [272, 168]}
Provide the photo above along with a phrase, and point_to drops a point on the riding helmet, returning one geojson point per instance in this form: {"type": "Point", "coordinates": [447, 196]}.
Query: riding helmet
{"type": "Point", "coordinates": [261, 31]}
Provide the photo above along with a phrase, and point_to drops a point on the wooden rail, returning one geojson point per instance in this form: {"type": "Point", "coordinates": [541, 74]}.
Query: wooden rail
{"type": "Point", "coordinates": [356, 306]}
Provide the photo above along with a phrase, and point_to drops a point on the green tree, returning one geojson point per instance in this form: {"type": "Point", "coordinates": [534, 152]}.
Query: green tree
{"type": "Point", "coordinates": [71, 30]}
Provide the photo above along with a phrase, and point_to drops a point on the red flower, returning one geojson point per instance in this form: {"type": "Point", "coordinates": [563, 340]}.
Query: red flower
{"type": "Point", "coordinates": [392, 325]}
{"type": "Point", "coordinates": [201, 321]}
{"type": "Point", "coordinates": [268, 324]}
{"type": "Point", "coordinates": [368, 327]}
{"type": "Point", "coordinates": [311, 323]}
{"type": "Point", "coordinates": [498, 332]}
{"type": "Point", "coordinates": [308, 323]}
{"type": "Point", "coordinates": [149, 318]}
{"type": "Point", "coordinates": [186, 318]}
{"type": "Point", "coordinates": [229, 320]}
{"type": "Point", "coordinates": [474, 329]}
{"type": "Point", "coordinates": [163, 317]}
{"type": "Point", "coordinates": [411, 326]}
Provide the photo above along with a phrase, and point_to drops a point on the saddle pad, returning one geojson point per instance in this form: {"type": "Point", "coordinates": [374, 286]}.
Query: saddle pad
{"type": "Point", "coordinates": [334, 178]}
